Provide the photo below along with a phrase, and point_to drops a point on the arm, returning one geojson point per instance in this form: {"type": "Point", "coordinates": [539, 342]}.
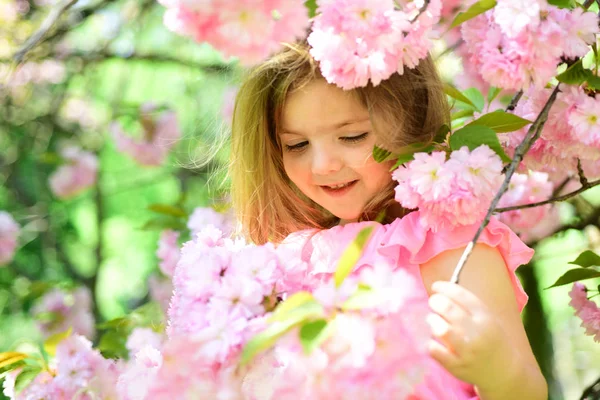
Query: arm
{"type": "Point", "coordinates": [497, 358]}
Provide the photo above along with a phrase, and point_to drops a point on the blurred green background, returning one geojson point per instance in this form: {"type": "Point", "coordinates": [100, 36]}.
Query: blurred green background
{"type": "Point", "coordinates": [111, 57]}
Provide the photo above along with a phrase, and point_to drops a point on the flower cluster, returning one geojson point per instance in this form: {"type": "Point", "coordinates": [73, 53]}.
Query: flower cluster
{"type": "Point", "coordinates": [452, 192]}
{"type": "Point", "coordinates": [585, 309]}
{"type": "Point", "coordinates": [526, 189]}
{"type": "Point", "coordinates": [159, 134]}
{"type": "Point", "coordinates": [76, 175]}
{"type": "Point", "coordinates": [571, 133]}
{"type": "Point", "coordinates": [9, 232]}
{"type": "Point", "coordinates": [58, 310]}
{"type": "Point", "coordinates": [78, 371]}
{"type": "Point", "coordinates": [224, 293]}
{"type": "Point", "coordinates": [520, 43]}
{"type": "Point", "coordinates": [248, 29]}
{"type": "Point", "coordinates": [369, 40]}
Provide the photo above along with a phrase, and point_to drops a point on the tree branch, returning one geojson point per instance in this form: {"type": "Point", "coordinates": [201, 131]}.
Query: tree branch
{"type": "Point", "coordinates": [564, 197]}
{"type": "Point", "coordinates": [514, 101]}
{"type": "Point", "coordinates": [48, 23]}
{"type": "Point", "coordinates": [532, 135]}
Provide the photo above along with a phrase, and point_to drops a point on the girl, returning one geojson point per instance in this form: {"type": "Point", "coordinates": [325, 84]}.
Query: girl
{"type": "Point", "coordinates": [302, 172]}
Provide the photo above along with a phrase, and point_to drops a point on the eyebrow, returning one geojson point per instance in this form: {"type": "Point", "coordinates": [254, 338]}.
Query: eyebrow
{"type": "Point", "coordinates": [333, 127]}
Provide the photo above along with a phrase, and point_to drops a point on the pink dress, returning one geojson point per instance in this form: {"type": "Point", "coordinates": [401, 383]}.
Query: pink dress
{"type": "Point", "coordinates": [407, 245]}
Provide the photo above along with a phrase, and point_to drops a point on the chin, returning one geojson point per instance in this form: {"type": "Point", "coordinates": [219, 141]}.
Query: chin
{"type": "Point", "coordinates": [348, 217]}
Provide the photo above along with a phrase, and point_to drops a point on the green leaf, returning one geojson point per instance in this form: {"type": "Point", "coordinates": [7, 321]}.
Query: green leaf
{"type": "Point", "coordinates": [25, 377]}
{"type": "Point", "coordinates": [593, 81]}
{"type": "Point", "coordinates": [276, 329]}
{"type": "Point", "coordinates": [380, 155]}
{"type": "Point", "coordinates": [456, 94]}
{"type": "Point", "coordinates": [112, 344]}
{"type": "Point", "coordinates": [351, 255]}
{"type": "Point", "coordinates": [296, 300]}
{"type": "Point", "coordinates": [11, 358]}
{"type": "Point", "coordinates": [561, 3]}
{"type": "Point", "coordinates": [575, 275]}
{"type": "Point", "coordinates": [574, 75]}
{"type": "Point", "coordinates": [163, 223]}
{"type": "Point", "coordinates": [166, 209]}
{"type": "Point", "coordinates": [476, 98]}
{"type": "Point", "coordinates": [312, 334]}
{"type": "Point", "coordinates": [587, 259]}
{"type": "Point", "coordinates": [462, 114]}
{"type": "Point", "coordinates": [54, 340]}
{"type": "Point", "coordinates": [501, 121]}
{"type": "Point", "coordinates": [474, 136]}
{"type": "Point", "coordinates": [478, 8]}
{"type": "Point", "coordinates": [363, 298]}
{"type": "Point", "coordinates": [121, 323]}
{"type": "Point", "coordinates": [409, 155]}
{"type": "Point", "coordinates": [493, 93]}
{"type": "Point", "coordinates": [312, 7]}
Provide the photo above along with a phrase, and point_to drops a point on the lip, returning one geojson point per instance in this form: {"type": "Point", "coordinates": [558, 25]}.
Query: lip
{"type": "Point", "coordinates": [339, 192]}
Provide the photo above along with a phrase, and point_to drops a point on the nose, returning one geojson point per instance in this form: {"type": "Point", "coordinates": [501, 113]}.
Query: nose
{"type": "Point", "coordinates": [325, 161]}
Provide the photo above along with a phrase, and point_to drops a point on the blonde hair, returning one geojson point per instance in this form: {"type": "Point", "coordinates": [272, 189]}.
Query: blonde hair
{"type": "Point", "coordinates": [404, 109]}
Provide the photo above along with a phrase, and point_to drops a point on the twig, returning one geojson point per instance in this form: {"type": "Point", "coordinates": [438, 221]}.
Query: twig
{"type": "Point", "coordinates": [582, 179]}
{"type": "Point", "coordinates": [50, 20]}
{"type": "Point", "coordinates": [421, 11]}
{"type": "Point", "coordinates": [593, 390]}
{"type": "Point", "coordinates": [532, 135]}
{"type": "Point", "coordinates": [514, 101]}
{"type": "Point", "coordinates": [560, 187]}
{"type": "Point", "coordinates": [449, 49]}
{"type": "Point", "coordinates": [588, 4]}
{"type": "Point", "coordinates": [567, 196]}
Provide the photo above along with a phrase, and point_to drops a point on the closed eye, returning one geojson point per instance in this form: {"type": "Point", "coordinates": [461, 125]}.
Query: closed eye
{"type": "Point", "coordinates": [296, 147]}
{"type": "Point", "coordinates": [354, 139]}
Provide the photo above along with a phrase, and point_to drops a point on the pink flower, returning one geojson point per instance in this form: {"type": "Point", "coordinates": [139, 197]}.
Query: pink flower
{"type": "Point", "coordinates": [518, 43]}
{"type": "Point", "coordinates": [81, 369]}
{"type": "Point", "coordinates": [585, 309]}
{"type": "Point", "coordinates": [367, 41]}
{"type": "Point", "coordinates": [58, 310]}
{"type": "Point", "coordinates": [76, 175]}
{"type": "Point", "coordinates": [515, 15]}
{"type": "Point", "coordinates": [142, 337]}
{"type": "Point", "coordinates": [564, 138]}
{"type": "Point", "coordinates": [203, 216]}
{"type": "Point", "coordinates": [184, 373]}
{"type": "Point", "coordinates": [248, 29]}
{"type": "Point", "coordinates": [168, 251]}
{"type": "Point", "coordinates": [449, 193]}
{"type": "Point", "coordinates": [134, 382]}
{"type": "Point", "coordinates": [585, 120]}
{"type": "Point", "coordinates": [9, 232]}
{"type": "Point", "coordinates": [580, 27]}
{"type": "Point", "coordinates": [159, 135]}
{"type": "Point", "coordinates": [526, 189]}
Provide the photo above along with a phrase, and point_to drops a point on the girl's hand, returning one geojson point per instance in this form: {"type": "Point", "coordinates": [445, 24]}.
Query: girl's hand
{"type": "Point", "coordinates": [471, 344]}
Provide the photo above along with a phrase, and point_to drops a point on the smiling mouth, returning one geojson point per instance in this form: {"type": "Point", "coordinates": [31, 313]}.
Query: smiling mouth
{"type": "Point", "coordinates": [339, 189]}
{"type": "Point", "coordinates": [339, 186]}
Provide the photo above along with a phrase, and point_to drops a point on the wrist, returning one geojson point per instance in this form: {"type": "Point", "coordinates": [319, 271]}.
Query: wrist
{"type": "Point", "coordinates": [501, 376]}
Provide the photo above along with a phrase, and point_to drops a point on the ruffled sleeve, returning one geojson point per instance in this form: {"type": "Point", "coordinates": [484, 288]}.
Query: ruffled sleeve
{"type": "Point", "coordinates": [411, 240]}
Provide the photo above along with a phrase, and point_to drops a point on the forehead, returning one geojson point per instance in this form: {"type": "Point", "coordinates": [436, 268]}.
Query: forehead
{"type": "Point", "coordinates": [319, 105]}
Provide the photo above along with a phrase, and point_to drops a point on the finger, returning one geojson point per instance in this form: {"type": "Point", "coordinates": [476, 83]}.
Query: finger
{"type": "Point", "coordinates": [451, 311]}
{"type": "Point", "coordinates": [443, 355]}
{"type": "Point", "coordinates": [453, 339]}
{"type": "Point", "coordinates": [460, 295]}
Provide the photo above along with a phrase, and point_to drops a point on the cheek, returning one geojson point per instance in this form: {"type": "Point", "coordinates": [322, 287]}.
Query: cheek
{"type": "Point", "coordinates": [295, 170]}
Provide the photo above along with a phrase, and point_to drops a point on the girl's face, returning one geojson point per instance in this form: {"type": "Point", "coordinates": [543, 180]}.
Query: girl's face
{"type": "Point", "coordinates": [327, 142]}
